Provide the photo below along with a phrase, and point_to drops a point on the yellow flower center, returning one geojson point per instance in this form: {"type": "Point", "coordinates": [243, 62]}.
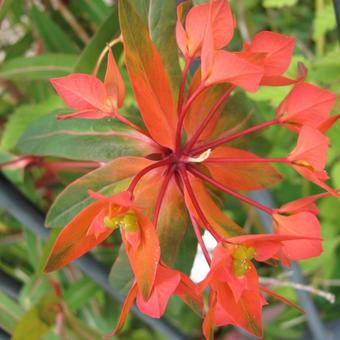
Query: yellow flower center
{"type": "Point", "coordinates": [129, 222]}
{"type": "Point", "coordinates": [242, 256]}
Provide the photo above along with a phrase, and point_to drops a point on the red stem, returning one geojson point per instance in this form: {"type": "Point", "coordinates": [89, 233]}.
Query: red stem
{"type": "Point", "coordinates": [143, 172]}
{"type": "Point", "coordinates": [227, 139]}
{"type": "Point", "coordinates": [161, 195]}
{"type": "Point", "coordinates": [182, 85]}
{"type": "Point", "coordinates": [181, 117]}
{"type": "Point", "coordinates": [230, 192]}
{"type": "Point", "coordinates": [246, 160]}
{"type": "Point", "coordinates": [207, 119]}
{"type": "Point", "coordinates": [125, 121]}
{"type": "Point", "coordinates": [196, 205]}
{"type": "Point", "coordinates": [200, 240]}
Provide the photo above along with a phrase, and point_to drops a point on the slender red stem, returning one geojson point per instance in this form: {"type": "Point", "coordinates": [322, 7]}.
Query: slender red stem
{"type": "Point", "coordinates": [228, 191]}
{"type": "Point", "coordinates": [182, 114]}
{"type": "Point", "coordinates": [246, 160]}
{"type": "Point", "coordinates": [143, 172]}
{"type": "Point", "coordinates": [161, 195]}
{"type": "Point", "coordinates": [200, 240]}
{"type": "Point", "coordinates": [125, 121]}
{"type": "Point", "coordinates": [196, 205]}
{"type": "Point", "coordinates": [182, 85]}
{"type": "Point", "coordinates": [208, 118]}
{"type": "Point", "coordinates": [227, 139]}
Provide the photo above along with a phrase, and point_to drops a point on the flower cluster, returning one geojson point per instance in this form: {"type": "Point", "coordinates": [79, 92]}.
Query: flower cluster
{"type": "Point", "coordinates": [188, 157]}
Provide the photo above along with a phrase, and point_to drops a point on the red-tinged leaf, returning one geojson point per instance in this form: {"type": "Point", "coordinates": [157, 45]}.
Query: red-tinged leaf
{"type": "Point", "coordinates": [125, 310]}
{"type": "Point", "coordinates": [278, 50]}
{"type": "Point", "coordinates": [282, 299]}
{"type": "Point", "coordinates": [209, 319]}
{"type": "Point", "coordinates": [74, 240]}
{"type": "Point", "coordinates": [301, 224]}
{"type": "Point", "coordinates": [312, 111]}
{"type": "Point", "coordinates": [144, 260]}
{"type": "Point", "coordinates": [81, 91]}
{"type": "Point", "coordinates": [231, 68]}
{"type": "Point", "coordinates": [171, 234]}
{"type": "Point", "coordinates": [219, 221]}
{"type": "Point", "coordinates": [109, 179]}
{"type": "Point", "coordinates": [166, 282]}
{"type": "Point", "coordinates": [201, 106]}
{"type": "Point", "coordinates": [241, 176]}
{"type": "Point", "coordinates": [148, 77]}
{"type": "Point", "coordinates": [247, 312]}
{"type": "Point", "coordinates": [114, 82]}
{"type": "Point", "coordinates": [188, 292]}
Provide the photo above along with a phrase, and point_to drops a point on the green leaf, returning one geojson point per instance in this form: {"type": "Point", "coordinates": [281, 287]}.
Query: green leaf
{"type": "Point", "coordinates": [142, 8]}
{"type": "Point", "coordinates": [80, 139]}
{"type": "Point", "coordinates": [105, 33]}
{"type": "Point", "coordinates": [23, 116]}
{"type": "Point", "coordinates": [10, 313]}
{"type": "Point", "coordinates": [96, 11]}
{"type": "Point", "coordinates": [162, 26]}
{"type": "Point", "coordinates": [20, 47]}
{"type": "Point", "coordinates": [324, 21]}
{"type": "Point", "coordinates": [121, 276]}
{"type": "Point", "coordinates": [38, 320]}
{"type": "Point", "coordinates": [5, 5]}
{"type": "Point", "coordinates": [16, 175]}
{"type": "Point", "coordinates": [111, 178]}
{"type": "Point", "coordinates": [278, 3]}
{"type": "Point", "coordinates": [38, 67]}
{"type": "Point", "coordinates": [79, 293]}
{"type": "Point", "coordinates": [52, 36]}
{"type": "Point", "coordinates": [171, 233]}
{"type": "Point", "coordinates": [34, 290]}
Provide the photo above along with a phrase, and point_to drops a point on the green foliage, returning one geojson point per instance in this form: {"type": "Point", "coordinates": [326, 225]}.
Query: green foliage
{"type": "Point", "coordinates": [278, 3]}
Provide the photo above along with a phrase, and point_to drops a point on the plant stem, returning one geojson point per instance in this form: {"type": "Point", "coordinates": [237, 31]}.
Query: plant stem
{"type": "Point", "coordinates": [143, 172]}
{"type": "Point", "coordinates": [181, 117]}
{"type": "Point", "coordinates": [200, 240]}
{"type": "Point", "coordinates": [246, 160]}
{"type": "Point", "coordinates": [230, 192]}
{"type": "Point", "coordinates": [207, 119]}
{"type": "Point", "coordinates": [227, 139]}
{"type": "Point", "coordinates": [196, 205]}
{"type": "Point", "coordinates": [161, 195]}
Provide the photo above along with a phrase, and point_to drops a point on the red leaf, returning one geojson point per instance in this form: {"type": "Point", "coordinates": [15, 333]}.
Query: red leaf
{"type": "Point", "coordinates": [82, 92]}
{"type": "Point", "coordinates": [166, 282]}
{"type": "Point", "coordinates": [148, 77]}
{"type": "Point", "coordinates": [145, 258]}
{"type": "Point", "coordinates": [241, 176]}
{"type": "Point", "coordinates": [74, 240]}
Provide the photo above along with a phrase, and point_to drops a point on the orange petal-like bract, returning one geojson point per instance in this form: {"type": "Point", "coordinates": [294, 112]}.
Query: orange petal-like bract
{"type": "Point", "coordinates": [193, 165]}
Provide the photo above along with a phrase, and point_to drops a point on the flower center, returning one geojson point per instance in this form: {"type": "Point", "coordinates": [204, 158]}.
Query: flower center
{"type": "Point", "coordinates": [129, 222]}
{"type": "Point", "coordinates": [242, 257]}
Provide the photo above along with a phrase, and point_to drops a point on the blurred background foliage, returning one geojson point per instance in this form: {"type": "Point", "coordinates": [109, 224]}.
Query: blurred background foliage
{"type": "Point", "coordinates": [40, 39]}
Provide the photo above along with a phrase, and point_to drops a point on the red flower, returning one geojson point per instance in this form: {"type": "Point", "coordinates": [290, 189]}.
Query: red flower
{"type": "Point", "coordinates": [313, 110]}
{"type": "Point", "coordinates": [174, 180]}
{"type": "Point", "coordinates": [89, 96]}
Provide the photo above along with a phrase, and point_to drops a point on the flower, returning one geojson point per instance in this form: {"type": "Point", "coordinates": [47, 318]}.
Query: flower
{"type": "Point", "coordinates": [175, 183]}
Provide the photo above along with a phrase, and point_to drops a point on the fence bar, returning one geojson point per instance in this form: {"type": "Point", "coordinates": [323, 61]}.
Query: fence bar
{"type": "Point", "coordinates": [31, 217]}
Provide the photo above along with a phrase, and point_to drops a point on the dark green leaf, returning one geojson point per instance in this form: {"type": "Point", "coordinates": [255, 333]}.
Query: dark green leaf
{"type": "Point", "coordinates": [79, 139]}
{"type": "Point", "coordinates": [95, 10]}
{"type": "Point", "coordinates": [38, 67]}
{"type": "Point", "coordinates": [53, 37]}
{"type": "Point", "coordinates": [121, 276]}
{"type": "Point", "coordinates": [106, 32]}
